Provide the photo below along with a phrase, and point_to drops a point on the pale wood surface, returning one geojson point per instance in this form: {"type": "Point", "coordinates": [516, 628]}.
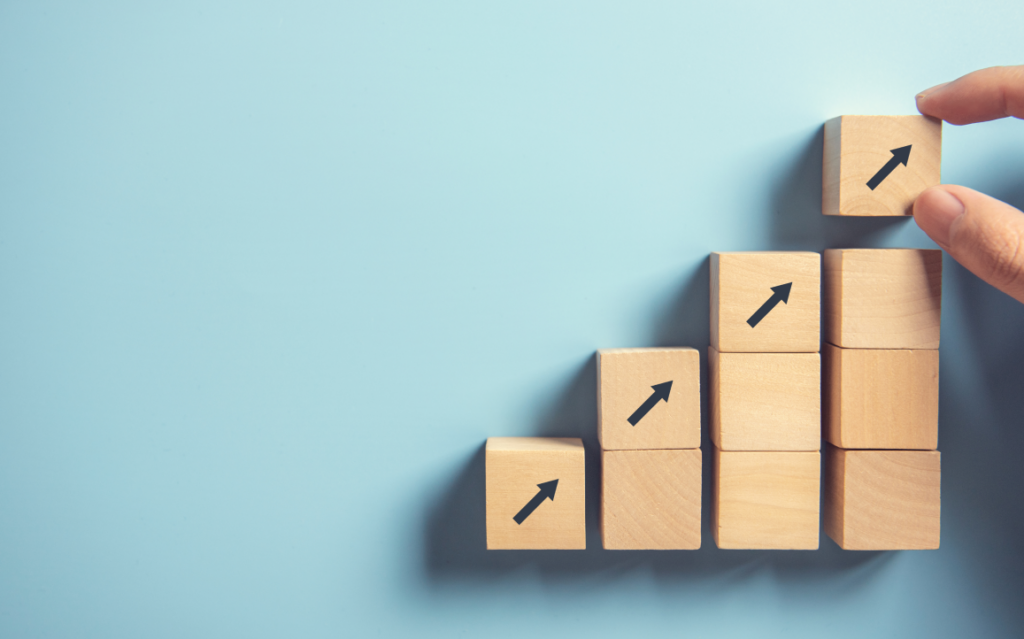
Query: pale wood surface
{"type": "Point", "coordinates": [883, 500]}
{"type": "Point", "coordinates": [881, 399]}
{"type": "Point", "coordinates": [742, 282]}
{"type": "Point", "coordinates": [549, 444]}
{"type": "Point", "coordinates": [624, 380]}
{"type": "Point", "coordinates": [766, 500]}
{"type": "Point", "coordinates": [650, 499]}
{"type": "Point", "coordinates": [857, 146]}
{"type": "Point", "coordinates": [883, 298]}
{"type": "Point", "coordinates": [765, 401]}
{"type": "Point", "coordinates": [514, 468]}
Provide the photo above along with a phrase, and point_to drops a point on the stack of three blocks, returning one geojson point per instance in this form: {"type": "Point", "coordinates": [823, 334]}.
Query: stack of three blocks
{"type": "Point", "coordinates": [765, 378]}
{"type": "Point", "coordinates": [881, 398]}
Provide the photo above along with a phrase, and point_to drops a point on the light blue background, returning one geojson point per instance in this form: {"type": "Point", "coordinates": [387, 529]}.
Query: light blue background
{"type": "Point", "coordinates": [271, 273]}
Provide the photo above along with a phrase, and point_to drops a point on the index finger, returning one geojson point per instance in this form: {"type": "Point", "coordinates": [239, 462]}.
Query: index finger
{"type": "Point", "coordinates": [988, 94]}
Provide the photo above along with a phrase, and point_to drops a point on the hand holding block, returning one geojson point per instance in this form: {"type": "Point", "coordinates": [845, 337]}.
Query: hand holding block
{"type": "Point", "coordinates": [766, 302]}
{"type": "Point", "coordinates": [883, 499]}
{"type": "Point", "coordinates": [766, 500]}
{"type": "Point", "coordinates": [765, 401]}
{"type": "Point", "coordinates": [881, 399]}
{"type": "Point", "coordinates": [883, 298]}
{"type": "Point", "coordinates": [650, 499]}
{"type": "Point", "coordinates": [648, 398]}
{"type": "Point", "coordinates": [535, 493]}
{"type": "Point", "coordinates": [878, 165]}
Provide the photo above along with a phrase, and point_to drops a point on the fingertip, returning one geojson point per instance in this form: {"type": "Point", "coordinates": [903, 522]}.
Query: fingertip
{"type": "Point", "coordinates": [931, 91]}
{"type": "Point", "coordinates": [935, 211]}
{"type": "Point", "coordinates": [922, 97]}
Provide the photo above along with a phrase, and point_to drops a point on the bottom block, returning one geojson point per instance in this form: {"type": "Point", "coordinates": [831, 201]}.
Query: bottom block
{"type": "Point", "coordinates": [650, 499]}
{"type": "Point", "coordinates": [882, 499]}
{"type": "Point", "coordinates": [535, 493]}
{"type": "Point", "coordinates": [766, 500]}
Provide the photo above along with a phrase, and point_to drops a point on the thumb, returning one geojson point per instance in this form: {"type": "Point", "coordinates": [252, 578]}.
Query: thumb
{"type": "Point", "coordinates": [982, 233]}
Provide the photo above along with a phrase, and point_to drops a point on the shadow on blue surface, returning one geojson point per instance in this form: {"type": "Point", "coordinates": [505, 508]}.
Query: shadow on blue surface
{"type": "Point", "coordinates": [455, 546]}
{"type": "Point", "coordinates": [796, 219]}
{"type": "Point", "coordinates": [455, 535]}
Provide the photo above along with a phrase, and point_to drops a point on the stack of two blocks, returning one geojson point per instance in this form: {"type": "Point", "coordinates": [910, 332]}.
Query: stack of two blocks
{"type": "Point", "coordinates": [648, 425]}
{"type": "Point", "coordinates": [765, 378]}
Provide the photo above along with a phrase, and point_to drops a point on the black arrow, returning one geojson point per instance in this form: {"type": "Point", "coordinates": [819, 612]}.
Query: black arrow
{"type": "Point", "coordinates": [547, 491]}
{"type": "Point", "coordinates": [899, 156]}
{"type": "Point", "coordinates": [661, 392]}
{"type": "Point", "coordinates": [779, 294]}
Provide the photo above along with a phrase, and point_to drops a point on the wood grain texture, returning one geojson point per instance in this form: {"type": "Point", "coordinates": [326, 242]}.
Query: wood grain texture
{"type": "Point", "coordinates": [883, 298]}
{"type": "Point", "coordinates": [883, 500]}
{"type": "Point", "coordinates": [881, 399]}
{"type": "Point", "coordinates": [766, 500]}
{"type": "Point", "coordinates": [765, 401]}
{"type": "Point", "coordinates": [857, 146]}
{"type": "Point", "coordinates": [650, 499]}
{"type": "Point", "coordinates": [624, 380]}
{"type": "Point", "coordinates": [742, 282]}
{"type": "Point", "coordinates": [514, 468]}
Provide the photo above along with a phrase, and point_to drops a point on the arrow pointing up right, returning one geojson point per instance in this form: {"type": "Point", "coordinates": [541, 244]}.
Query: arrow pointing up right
{"type": "Point", "coordinates": [899, 156]}
{"type": "Point", "coordinates": [780, 293]}
{"type": "Point", "coordinates": [660, 393]}
{"type": "Point", "coordinates": [547, 491]}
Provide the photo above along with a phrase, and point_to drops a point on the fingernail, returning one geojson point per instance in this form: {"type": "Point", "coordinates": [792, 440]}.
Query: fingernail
{"type": "Point", "coordinates": [927, 92]}
{"type": "Point", "coordinates": [936, 212]}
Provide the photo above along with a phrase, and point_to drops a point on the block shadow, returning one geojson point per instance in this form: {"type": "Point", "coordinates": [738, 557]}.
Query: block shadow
{"type": "Point", "coordinates": [455, 547]}
{"type": "Point", "coordinates": [795, 208]}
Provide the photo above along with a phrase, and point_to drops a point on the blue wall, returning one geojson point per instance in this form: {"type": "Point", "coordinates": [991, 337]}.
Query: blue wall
{"type": "Point", "coordinates": [271, 273]}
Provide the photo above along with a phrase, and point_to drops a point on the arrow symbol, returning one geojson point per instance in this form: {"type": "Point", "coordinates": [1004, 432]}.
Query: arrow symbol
{"type": "Point", "coordinates": [661, 392]}
{"type": "Point", "coordinates": [779, 294]}
{"type": "Point", "coordinates": [899, 156]}
{"type": "Point", "coordinates": [547, 491]}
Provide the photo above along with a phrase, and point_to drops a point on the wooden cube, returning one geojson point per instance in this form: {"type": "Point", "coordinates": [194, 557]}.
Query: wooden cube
{"type": "Point", "coordinates": [535, 493]}
{"type": "Point", "coordinates": [878, 164]}
{"type": "Point", "coordinates": [883, 499]}
{"type": "Point", "coordinates": [881, 399]}
{"type": "Point", "coordinates": [648, 398]}
{"type": "Point", "coordinates": [765, 401]}
{"type": "Point", "coordinates": [883, 298]}
{"type": "Point", "coordinates": [765, 302]}
{"type": "Point", "coordinates": [766, 500]}
{"type": "Point", "coordinates": [650, 499]}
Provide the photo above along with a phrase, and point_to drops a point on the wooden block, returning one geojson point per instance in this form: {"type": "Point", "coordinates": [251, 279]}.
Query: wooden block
{"type": "Point", "coordinates": [878, 164]}
{"type": "Point", "coordinates": [650, 499]}
{"type": "Point", "coordinates": [883, 499]}
{"type": "Point", "coordinates": [766, 500]}
{"type": "Point", "coordinates": [765, 302]}
{"type": "Point", "coordinates": [881, 399]}
{"type": "Point", "coordinates": [657, 388]}
{"type": "Point", "coordinates": [765, 401]}
{"type": "Point", "coordinates": [535, 493]}
{"type": "Point", "coordinates": [883, 298]}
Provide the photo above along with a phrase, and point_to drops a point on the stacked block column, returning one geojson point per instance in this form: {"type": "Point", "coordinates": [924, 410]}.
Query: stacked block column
{"type": "Point", "coordinates": [765, 378]}
{"type": "Point", "coordinates": [881, 373]}
{"type": "Point", "coordinates": [649, 429]}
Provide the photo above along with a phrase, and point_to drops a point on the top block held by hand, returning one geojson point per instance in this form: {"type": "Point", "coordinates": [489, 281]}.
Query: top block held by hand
{"type": "Point", "coordinates": [877, 165]}
{"type": "Point", "coordinates": [765, 302]}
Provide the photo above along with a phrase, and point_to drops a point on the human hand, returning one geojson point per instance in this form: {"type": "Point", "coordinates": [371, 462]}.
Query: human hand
{"type": "Point", "coordinates": [980, 232]}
